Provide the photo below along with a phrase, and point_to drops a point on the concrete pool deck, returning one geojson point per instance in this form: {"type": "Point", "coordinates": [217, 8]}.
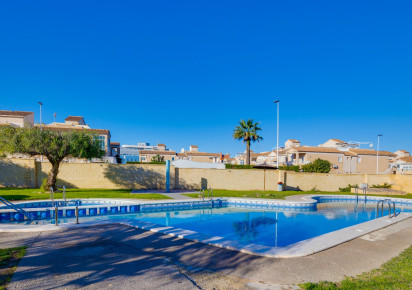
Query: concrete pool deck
{"type": "Point", "coordinates": [119, 256]}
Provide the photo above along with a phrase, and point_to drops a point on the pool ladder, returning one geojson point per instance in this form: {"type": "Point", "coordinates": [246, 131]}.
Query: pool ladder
{"type": "Point", "coordinates": [209, 193]}
{"type": "Point", "coordinates": [363, 192]}
{"type": "Point", "coordinates": [391, 206]}
{"type": "Point", "coordinates": [11, 205]}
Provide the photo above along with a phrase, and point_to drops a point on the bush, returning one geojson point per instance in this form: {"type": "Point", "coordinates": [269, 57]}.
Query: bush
{"type": "Point", "coordinates": [318, 166]}
{"type": "Point", "coordinates": [158, 159]}
{"type": "Point", "coordinates": [347, 188]}
{"type": "Point", "coordinates": [44, 186]}
{"type": "Point", "coordinates": [385, 185]}
{"type": "Point", "coordinates": [290, 168]}
{"type": "Point", "coordinates": [238, 166]}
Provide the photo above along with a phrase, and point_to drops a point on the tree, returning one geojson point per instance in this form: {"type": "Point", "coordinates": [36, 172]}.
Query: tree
{"type": "Point", "coordinates": [318, 166]}
{"type": "Point", "coordinates": [247, 131]}
{"type": "Point", "coordinates": [54, 145]}
{"type": "Point", "coordinates": [158, 158]}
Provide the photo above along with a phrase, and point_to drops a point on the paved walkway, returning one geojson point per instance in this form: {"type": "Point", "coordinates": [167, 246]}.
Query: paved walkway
{"type": "Point", "coordinates": [122, 257]}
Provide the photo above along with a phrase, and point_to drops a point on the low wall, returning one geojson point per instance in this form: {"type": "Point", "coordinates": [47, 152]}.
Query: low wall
{"type": "Point", "coordinates": [29, 173]}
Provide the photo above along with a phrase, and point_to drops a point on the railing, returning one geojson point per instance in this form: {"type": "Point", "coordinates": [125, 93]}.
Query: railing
{"type": "Point", "coordinates": [391, 205]}
{"type": "Point", "coordinates": [11, 205]}
{"type": "Point", "coordinates": [209, 193]}
{"type": "Point", "coordinates": [363, 192]}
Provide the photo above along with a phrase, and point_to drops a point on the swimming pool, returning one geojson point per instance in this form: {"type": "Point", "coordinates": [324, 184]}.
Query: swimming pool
{"type": "Point", "coordinates": [258, 226]}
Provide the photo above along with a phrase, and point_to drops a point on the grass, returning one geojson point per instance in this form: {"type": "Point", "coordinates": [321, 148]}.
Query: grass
{"type": "Point", "coordinates": [34, 193]}
{"type": "Point", "coordinates": [9, 259]}
{"type": "Point", "coordinates": [394, 274]}
{"type": "Point", "coordinates": [272, 194]}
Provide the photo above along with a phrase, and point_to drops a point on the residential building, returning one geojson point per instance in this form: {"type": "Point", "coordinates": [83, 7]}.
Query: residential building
{"type": "Point", "coordinates": [147, 155]}
{"type": "Point", "coordinates": [17, 118]}
{"type": "Point", "coordinates": [77, 123]}
{"type": "Point", "coordinates": [193, 154]}
{"type": "Point", "coordinates": [131, 153]}
{"type": "Point", "coordinates": [404, 165]}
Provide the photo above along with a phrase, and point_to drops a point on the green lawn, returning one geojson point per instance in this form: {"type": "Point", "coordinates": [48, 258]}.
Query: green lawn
{"type": "Point", "coordinates": [34, 193]}
{"type": "Point", "coordinates": [394, 274]}
{"type": "Point", "coordinates": [9, 258]}
{"type": "Point", "coordinates": [271, 194]}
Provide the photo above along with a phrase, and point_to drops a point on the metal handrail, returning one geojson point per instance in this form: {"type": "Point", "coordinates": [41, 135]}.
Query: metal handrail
{"type": "Point", "coordinates": [11, 205]}
{"type": "Point", "coordinates": [391, 206]}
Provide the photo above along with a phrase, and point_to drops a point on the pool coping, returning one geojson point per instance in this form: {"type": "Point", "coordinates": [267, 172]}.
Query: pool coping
{"type": "Point", "coordinates": [299, 249]}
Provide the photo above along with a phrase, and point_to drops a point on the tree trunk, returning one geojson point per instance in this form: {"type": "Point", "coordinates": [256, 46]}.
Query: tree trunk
{"type": "Point", "coordinates": [51, 179]}
{"type": "Point", "coordinates": [247, 152]}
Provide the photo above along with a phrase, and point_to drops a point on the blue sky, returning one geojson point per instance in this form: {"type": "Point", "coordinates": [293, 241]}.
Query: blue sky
{"type": "Point", "coordinates": [185, 72]}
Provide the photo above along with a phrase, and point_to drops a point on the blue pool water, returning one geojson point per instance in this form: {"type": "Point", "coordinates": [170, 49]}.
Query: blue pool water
{"type": "Point", "coordinates": [263, 227]}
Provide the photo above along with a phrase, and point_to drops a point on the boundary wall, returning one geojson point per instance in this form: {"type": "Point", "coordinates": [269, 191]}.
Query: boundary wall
{"type": "Point", "coordinates": [29, 173]}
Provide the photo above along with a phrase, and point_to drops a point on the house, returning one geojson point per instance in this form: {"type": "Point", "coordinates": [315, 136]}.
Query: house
{"type": "Point", "coordinates": [404, 165]}
{"type": "Point", "coordinates": [131, 153]}
{"type": "Point", "coordinates": [334, 143]}
{"type": "Point", "coordinates": [292, 143]}
{"type": "Point", "coordinates": [194, 155]}
{"type": "Point", "coordinates": [77, 123]}
{"type": "Point", "coordinates": [17, 118]}
{"type": "Point", "coordinates": [351, 160]}
{"type": "Point", "coordinates": [148, 155]}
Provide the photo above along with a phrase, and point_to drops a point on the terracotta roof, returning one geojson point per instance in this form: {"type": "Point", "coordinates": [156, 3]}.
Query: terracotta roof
{"type": "Point", "coordinates": [201, 154]}
{"type": "Point", "coordinates": [115, 143]}
{"type": "Point", "coordinates": [403, 151]}
{"type": "Point", "coordinates": [15, 113]}
{"type": "Point", "coordinates": [155, 152]}
{"type": "Point", "coordinates": [293, 140]}
{"type": "Point", "coordinates": [161, 145]}
{"type": "Point", "coordinates": [67, 129]}
{"type": "Point", "coordinates": [371, 152]}
{"type": "Point", "coordinates": [73, 118]}
{"type": "Point", "coordinates": [337, 140]}
{"type": "Point", "coordinates": [194, 146]}
{"type": "Point", "coordinates": [406, 159]}
{"type": "Point", "coordinates": [316, 149]}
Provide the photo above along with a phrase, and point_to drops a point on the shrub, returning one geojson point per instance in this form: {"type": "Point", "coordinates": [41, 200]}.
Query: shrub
{"type": "Point", "coordinates": [44, 186]}
{"type": "Point", "coordinates": [158, 159]}
{"type": "Point", "coordinates": [318, 166]}
{"type": "Point", "coordinates": [290, 168]}
{"type": "Point", "coordinates": [347, 188]}
{"type": "Point", "coordinates": [238, 166]}
{"type": "Point", "coordinates": [385, 185]}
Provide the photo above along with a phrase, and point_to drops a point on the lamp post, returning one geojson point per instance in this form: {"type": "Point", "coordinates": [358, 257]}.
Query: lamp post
{"type": "Point", "coordinates": [377, 156]}
{"type": "Point", "coordinates": [277, 135]}
{"type": "Point", "coordinates": [41, 126]}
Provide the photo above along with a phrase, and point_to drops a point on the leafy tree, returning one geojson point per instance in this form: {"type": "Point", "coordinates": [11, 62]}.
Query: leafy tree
{"type": "Point", "coordinates": [158, 158]}
{"type": "Point", "coordinates": [318, 166]}
{"type": "Point", "coordinates": [54, 145]}
{"type": "Point", "coordinates": [247, 131]}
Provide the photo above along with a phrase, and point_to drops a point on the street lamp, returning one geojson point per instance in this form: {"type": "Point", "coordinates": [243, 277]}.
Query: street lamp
{"type": "Point", "coordinates": [377, 156]}
{"type": "Point", "coordinates": [41, 127]}
{"type": "Point", "coordinates": [277, 134]}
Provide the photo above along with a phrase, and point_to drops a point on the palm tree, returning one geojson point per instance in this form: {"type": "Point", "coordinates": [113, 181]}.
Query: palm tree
{"type": "Point", "coordinates": [247, 131]}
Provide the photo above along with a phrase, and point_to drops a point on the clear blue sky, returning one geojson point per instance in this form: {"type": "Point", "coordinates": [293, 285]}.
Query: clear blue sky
{"type": "Point", "coordinates": [185, 72]}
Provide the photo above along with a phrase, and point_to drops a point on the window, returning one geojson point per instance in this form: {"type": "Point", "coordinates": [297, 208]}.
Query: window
{"type": "Point", "coordinates": [359, 160]}
{"type": "Point", "coordinates": [101, 140]}
{"type": "Point", "coordinates": [340, 159]}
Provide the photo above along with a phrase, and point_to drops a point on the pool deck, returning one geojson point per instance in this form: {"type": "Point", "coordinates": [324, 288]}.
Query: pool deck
{"type": "Point", "coordinates": [118, 256]}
